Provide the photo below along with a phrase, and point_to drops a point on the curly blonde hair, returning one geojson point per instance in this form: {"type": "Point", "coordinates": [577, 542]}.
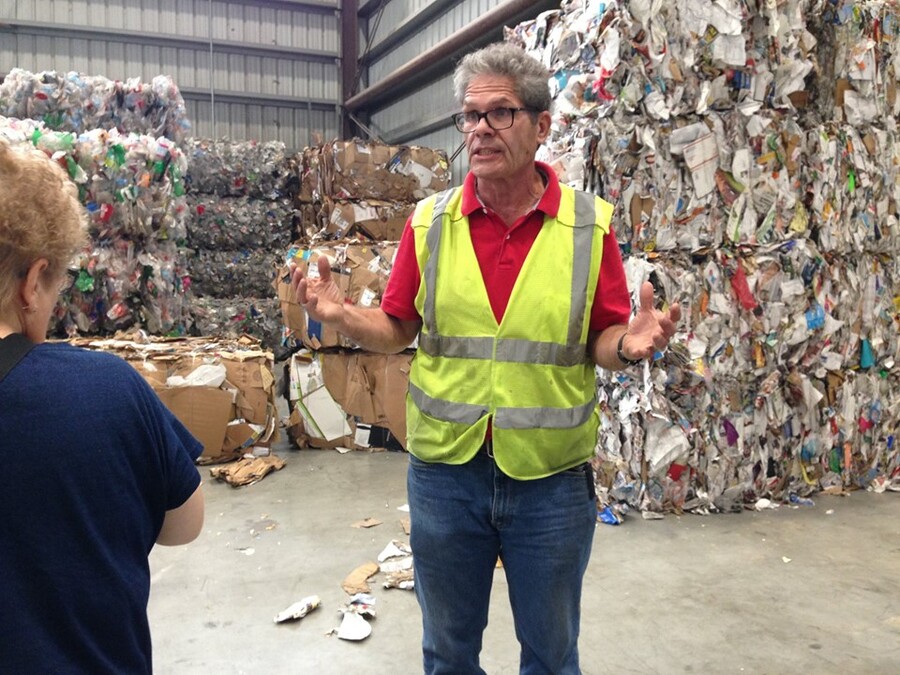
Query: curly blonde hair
{"type": "Point", "coordinates": [40, 216]}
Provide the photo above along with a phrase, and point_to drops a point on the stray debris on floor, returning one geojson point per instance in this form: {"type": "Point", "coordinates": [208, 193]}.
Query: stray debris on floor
{"type": "Point", "coordinates": [402, 579]}
{"type": "Point", "coordinates": [396, 549]}
{"type": "Point", "coordinates": [354, 625]}
{"type": "Point", "coordinates": [299, 609]}
{"type": "Point", "coordinates": [368, 522]}
{"type": "Point", "coordinates": [247, 470]}
{"type": "Point", "coordinates": [356, 580]}
{"type": "Point", "coordinates": [405, 524]}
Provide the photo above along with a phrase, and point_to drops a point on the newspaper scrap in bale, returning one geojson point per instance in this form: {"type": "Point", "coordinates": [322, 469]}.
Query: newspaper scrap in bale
{"type": "Point", "coordinates": [360, 268]}
{"type": "Point", "coordinates": [133, 270]}
{"type": "Point", "coordinates": [222, 390]}
{"type": "Point", "coordinates": [77, 103]}
{"type": "Point", "coordinates": [229, 223]}
{"type": "Point", "coordinates": [358, 170]}
{"type": "Point", "coordinates": [750, 151]}
{"type": "Point", "coordinates": [237, 316]}
{"type": "Point", "coordinates": [259, 170]}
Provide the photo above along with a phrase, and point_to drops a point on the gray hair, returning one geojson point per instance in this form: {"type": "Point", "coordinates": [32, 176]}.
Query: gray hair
{"type": "Point", "coordinates": [529, 76]}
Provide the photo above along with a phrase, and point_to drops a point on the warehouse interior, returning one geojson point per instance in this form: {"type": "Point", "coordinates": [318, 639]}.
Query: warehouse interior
{"type": "Point", "coordinates": [746, 477]}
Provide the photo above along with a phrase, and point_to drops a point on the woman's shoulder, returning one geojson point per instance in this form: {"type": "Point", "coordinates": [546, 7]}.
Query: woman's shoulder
{"type": "Point", "coordinates": [66, 353]}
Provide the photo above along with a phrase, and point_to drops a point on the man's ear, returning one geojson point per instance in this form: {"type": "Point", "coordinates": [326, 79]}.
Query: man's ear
{"type": "Point", "coordinates": [544, 120]}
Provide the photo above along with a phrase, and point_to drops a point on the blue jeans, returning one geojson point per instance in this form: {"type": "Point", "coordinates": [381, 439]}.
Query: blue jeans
{"type": "Point", "coordinates": [462, 518]}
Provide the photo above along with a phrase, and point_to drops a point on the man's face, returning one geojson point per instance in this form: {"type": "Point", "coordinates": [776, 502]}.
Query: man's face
{"type": "Point", "coordinates": [504, 154]}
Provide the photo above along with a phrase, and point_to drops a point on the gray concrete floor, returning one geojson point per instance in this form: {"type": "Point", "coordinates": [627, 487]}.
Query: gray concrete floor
{"type": "Point", "coordinates": [795, 590]}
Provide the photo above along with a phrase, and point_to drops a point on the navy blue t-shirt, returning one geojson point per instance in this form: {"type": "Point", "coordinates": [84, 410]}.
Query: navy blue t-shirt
{"type": "Point", "coordinates": [92, 460]}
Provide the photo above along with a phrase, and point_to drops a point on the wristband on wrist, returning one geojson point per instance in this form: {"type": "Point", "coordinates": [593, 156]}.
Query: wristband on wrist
{"type": "Point", "coordinates": [621, 355]}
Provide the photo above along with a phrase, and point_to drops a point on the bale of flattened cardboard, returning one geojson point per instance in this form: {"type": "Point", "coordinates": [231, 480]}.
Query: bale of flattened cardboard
{"type": "Point", "coordinates": [228, 418]}
{"type": "Point", "coordinates": [361, 269]}
{"type": "Point", "coordinates": [348, 399]}
{"type": "Point", "coordinates": [373, 219]}
{"type": "Point", "coordinates": [370, 387]}
{"type": "Point", "coordinates": [358, 169]}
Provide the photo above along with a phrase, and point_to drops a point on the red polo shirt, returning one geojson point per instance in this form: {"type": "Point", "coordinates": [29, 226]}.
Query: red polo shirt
{"type": "Point", "coordinates": [501, 252]}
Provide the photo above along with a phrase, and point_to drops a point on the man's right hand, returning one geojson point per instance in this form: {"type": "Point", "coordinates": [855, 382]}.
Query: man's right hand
{"type": "Point", "coordinates": [320, 297]}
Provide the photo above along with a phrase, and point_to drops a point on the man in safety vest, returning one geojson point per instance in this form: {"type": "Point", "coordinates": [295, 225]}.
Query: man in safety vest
{"type": "Point", "coordinates": [515, 287]}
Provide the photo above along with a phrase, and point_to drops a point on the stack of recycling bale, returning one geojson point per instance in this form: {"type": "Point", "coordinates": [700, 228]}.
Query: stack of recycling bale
{"type": "Point", "coordinates": [240, 203]}
{"type": "Point", "coordinates": [354, 200]}
{"type": "Point", "coordinates": [120, 144]}
{"type": "Point", "coordinates": [750, 151]}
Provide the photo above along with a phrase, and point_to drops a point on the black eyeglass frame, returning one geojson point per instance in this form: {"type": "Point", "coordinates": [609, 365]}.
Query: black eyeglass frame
{"type": "Point", "coordinates": [459, 118]}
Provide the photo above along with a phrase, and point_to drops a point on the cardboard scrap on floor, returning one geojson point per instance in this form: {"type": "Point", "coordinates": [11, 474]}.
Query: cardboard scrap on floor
{"type": "Point", "coordinates": [247, 470]}
{"type": "Point", "coordinates": [368, 522]}
{"type": "Point", "coordinates": [402, 579]}
{"type": "Point", "coordinates": [356, 580]}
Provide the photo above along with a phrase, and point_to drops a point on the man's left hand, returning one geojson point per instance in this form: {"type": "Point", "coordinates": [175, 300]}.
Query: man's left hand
{"type": "Point", "coordinates": [651, 329]}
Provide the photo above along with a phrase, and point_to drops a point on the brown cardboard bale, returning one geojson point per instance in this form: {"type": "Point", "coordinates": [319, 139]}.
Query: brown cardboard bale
{"type": "Point", "coordinates": [371, 387]}
{"type": "Point", "coordinates": [155, 370]}
{"type": "Point", "coordinates": [360, 268]}
{"type": "Point", "coordinates": [239, 437]}
{"type": "Point", "coordinates": [312, 172]}
{"type": "Point", "coordinates": [298, 435]}
{"type": "Point", "coordinates": [374, 219]}
{"type": "Point", "coordinates": [390, 396]}
{"type": "Point", "coordinates": [295, 319]}
{"type": "Point", "coordinates": [362, 380]}
{"type": "Point", "coordinates": [368, 170]}
{"type": "Point", "coordinates": [205, 411]}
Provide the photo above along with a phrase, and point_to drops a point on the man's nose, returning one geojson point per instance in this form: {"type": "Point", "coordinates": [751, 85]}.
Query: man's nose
{"type": "Point", "coordinates": [483, 127]}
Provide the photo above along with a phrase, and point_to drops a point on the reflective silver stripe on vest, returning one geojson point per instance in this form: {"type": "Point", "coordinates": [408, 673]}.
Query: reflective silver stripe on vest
{"type": "Point", "coordinates": [456, 347]}
{"type": "Point", "coordinates": [515, 350]}
{"type": "Point", "coordinates": [548, 353]}
{"type": "Point", "coordinates": [448, 411]}
{"type": "Point", "coordinates": [544, 418]}
{"type": "Point", "coordinates": [504, 418]}
{"type": "Point", "coordinates": [585, 215]}
{"type": "Point", "coordinates": [433, 243]}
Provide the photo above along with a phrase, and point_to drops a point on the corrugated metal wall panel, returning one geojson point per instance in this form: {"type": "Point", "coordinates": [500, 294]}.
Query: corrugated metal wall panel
{"type": "Point", "coordinates": [303, 28]}
{"type": "Point", "coordinates": [295, 127]}
{"type": "Point", "coordinates": [457, 17]}
{"type": "Point", "coordinates": [395, 13]}
{"type": "Point", "coordinates": [237, 71]}
{"type": "Point", "coordinates": [431, 101]}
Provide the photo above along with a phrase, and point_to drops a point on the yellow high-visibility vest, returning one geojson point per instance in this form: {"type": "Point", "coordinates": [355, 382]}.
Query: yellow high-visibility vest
{"type": "Point", "coordinates": [530, 375]}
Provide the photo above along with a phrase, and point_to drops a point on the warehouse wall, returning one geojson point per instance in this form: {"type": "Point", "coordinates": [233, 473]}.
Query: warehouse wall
{"type": "Point", "coordinates": [397, 11]}
{"type": "Point", "coordinates": [402, 31]}
{"type": "Point", "coordinates": [266, 70]}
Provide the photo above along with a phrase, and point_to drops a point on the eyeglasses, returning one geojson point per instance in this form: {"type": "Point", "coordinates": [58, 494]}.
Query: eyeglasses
{"type": "Point", "coordinates": [498, 119]}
